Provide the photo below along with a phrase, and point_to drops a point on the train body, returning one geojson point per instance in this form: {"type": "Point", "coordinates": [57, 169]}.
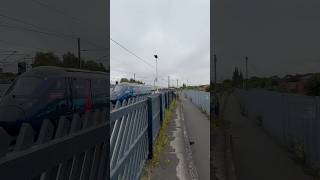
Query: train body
{"type": "Point", "coordinates": [49, 92]}
{"type": "Point", "coordinates": [124, 91]}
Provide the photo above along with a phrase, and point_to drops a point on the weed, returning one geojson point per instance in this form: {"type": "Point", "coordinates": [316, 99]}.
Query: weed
{"type": "Point", "coordinates": [160, 143]}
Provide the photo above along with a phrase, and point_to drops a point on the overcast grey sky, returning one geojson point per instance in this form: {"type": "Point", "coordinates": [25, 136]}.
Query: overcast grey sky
{"type": "Point", "coordinates": [279, 36]}
{"type": "Point", "coordinates": [178, 31]}
{"type": "Point", "coordinates": [78, 18]}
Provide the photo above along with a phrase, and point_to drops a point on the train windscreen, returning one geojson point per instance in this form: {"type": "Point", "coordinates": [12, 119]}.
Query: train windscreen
{"type": "Point", "coordinates": [24, 86]}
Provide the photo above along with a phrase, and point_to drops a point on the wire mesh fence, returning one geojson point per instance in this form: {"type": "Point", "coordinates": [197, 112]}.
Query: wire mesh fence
{"type": "Point", "coordinates": [294, 120]}
{"type": "Point", "coordinates": [200, 99]}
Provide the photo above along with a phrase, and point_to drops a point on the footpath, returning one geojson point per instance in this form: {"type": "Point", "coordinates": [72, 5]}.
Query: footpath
{"type": "Point", "coordinates": [256, 155]}
{"type": "Point", "coordinates": [198, 128]}
{"type": "Point", "coordinates": [175, 162]}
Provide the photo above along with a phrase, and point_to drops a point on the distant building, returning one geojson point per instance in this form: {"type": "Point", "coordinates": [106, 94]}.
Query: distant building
{"type": "Point", "coordinates": [204, 87]}
{"type": "Point", "coordinates": [296, 83]}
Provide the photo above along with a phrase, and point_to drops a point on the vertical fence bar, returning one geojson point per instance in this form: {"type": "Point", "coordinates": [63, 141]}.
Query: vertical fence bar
{"type": "Point", "coordinates": [161, 110]}
{"type": "Point", "coordinates": [150, 138]}
{"type": "Point", "coordinates": [168, 99]}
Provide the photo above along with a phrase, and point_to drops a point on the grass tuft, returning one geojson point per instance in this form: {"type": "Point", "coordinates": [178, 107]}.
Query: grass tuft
{"type": "Point", "coordinates": [160, 143]}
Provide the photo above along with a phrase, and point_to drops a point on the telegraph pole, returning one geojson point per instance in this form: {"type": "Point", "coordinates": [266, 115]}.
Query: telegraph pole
{"type": "Point", "coordinates": [134, 76]}
{"type": "Point", "coordinates": [247, 78]}
{"type": "Point", "coordinates": [215, 70]}
{"type": "Point", "coordinates": [79, 56]}
{"type": "Point", "coordinates": [177, 83]}
{"type": "Point", "coordinates": [168, 81]}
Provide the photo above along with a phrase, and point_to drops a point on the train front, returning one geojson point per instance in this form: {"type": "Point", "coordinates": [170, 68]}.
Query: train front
{"type": "Point", "coordinates": [19, 102]}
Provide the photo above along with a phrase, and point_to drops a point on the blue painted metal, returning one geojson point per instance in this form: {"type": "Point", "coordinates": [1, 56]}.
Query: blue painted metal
{"type": "Point", "coordinates": [199, 98]}
{"type": "Point", "coordinates": [167, 99]}
{"type": "Point", "coordinates": [129, 139]}
{"type": "Point", "coordinates": [134, 127]}
{"type": "Point", "coordinates": [291, 119]}
{"type": "Point", "coordinates": [161, 110]}
{"type": "Point", "coordinates": [150, 129]}
{"type": "Point", "coordinates": [156, 122]}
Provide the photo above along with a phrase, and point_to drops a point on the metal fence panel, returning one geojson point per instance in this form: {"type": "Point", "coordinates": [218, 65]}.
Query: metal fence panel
{"type": "Point", "coordinates": [200, 99]}
{"type": "Point", "coordinates": [80, 147]}
{"type": "Point", "coordinates": [128, 140]}
{"type": "Point", "coordinates": [134, 128]}
{"type": "Point", "coordinates": [292, 119]}
{"type": "Point", "coordinates": [75, 146]}
{"type": "Point", "coordinates": [155, 115]}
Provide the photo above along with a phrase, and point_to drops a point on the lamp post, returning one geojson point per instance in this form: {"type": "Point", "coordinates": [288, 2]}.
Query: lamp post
{"type": "Point", "coordinates": [247, 77]}
{"type": "Point", "coordinates": [156, 56]}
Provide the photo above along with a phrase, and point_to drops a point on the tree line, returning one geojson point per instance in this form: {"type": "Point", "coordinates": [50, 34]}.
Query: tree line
{"type": "Point", "coordinates": [69, 60]}
{"type": "Point", "coordinates": [122, 80]}
{"type": "Point", "coordinates": [310, 85]}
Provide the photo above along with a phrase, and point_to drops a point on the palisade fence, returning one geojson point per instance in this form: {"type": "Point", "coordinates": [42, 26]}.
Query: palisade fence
{"type": "Point", "coordinates": [135, 125]}
{"type": "Point", "coordinates": [77, 147]}
{"type": "Point", "coordinates": [294, 120]}
{"type": "Point", "coordinates": [200, 99]}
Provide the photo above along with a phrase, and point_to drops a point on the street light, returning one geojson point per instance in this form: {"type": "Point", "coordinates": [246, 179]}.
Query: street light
{"type": "Point", "coordinates": [156, 56]}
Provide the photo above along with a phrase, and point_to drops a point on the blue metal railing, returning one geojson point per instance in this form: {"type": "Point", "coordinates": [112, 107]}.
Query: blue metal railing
{"type": "Point", "coordinates": [199, 98]}
{"type": "Point", "coordinates": [292, 119]}
{"type": "Point", "coordinates": [135, 124]}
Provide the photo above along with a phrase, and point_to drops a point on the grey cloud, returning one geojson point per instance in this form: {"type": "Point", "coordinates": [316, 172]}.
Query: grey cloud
{"type": "Point", "coordinates": [278, 36]}
{"type": "Point", "coordinates": [79, 18]}
{"type": "Point", "coordinates": [178, 31]}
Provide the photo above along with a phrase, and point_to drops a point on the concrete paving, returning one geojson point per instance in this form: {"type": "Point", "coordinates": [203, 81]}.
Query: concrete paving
{"type": "Point", "coordinates": [174, 161]}
{"type": "Point", "coordinates": [256, 155]}
{"type": "Point", "coordinates": [198, 128]}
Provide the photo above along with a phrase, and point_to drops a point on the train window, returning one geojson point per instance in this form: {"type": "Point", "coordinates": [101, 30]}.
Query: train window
{"type": "Point", "coordinates": [99, 87]}
{"type": "Point", "coordinates": [81, 88]}
{"type": "Point", "coordinates": [119, 88]}
{"type": "Point", "coordinates": [57, 90]}
{"type": "Point", "coordinates": [58, 84]}
{"type": "Point", "coordinates": [24, 86]}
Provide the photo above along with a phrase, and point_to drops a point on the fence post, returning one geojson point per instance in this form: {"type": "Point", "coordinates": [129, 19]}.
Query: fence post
{"type": "Point", "coordinates": [150, 138]}
{"type": "Point", "coordinates": [170, 97]}
{"type": "Point", "coordinates": [167, 99]}
{"type": "Point", "coordinates": [161, 110]}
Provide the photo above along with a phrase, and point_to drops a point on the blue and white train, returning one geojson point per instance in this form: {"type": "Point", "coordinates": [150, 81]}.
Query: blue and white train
{"type": "Point", "coordinates": [48, 92]}
{"type": "Point", "coordinates": [124, 91]}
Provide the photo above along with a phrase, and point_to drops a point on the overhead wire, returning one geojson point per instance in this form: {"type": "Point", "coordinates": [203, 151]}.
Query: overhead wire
{"type": "Point", "coordinates": [61, 12]}
{"type": "Point", "coordinates": [40, 29]}
{"type": "Point", "coordinates": [132, 53]}
{"type": "Point", "coordinates": [46, 5]}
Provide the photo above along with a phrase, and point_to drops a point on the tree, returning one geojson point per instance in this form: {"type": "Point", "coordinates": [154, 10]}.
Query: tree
{"type": "Point", "coordinates": [70, 60]}
{"type": "Point", "coordinates": [135, 81]}
{"type": "Point", "coordinates": [124, 80]}
{"type": "Point", "coordinates": [313, 86]}
{"type": "Point", "coordinates": [130, 81]}
{"type": "Point", "coordinates": [46, 59]}
{"type": "Point", "coordinates": [92, 65]}
{"type": "Point", "coordinates": [237, 78]}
